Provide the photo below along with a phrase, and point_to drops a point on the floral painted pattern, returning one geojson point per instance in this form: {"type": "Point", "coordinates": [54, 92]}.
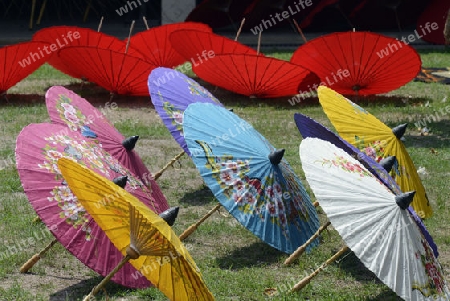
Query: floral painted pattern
{"type": "Point", "coordinates": [377, 151]}
{"type": "Point", "coordinates": [71, 115]}
{"type": "Point", "coordinates": [196, 89]}
{"type": "Point", "coordinates": [175, 115]}
{"type": "Point", "coordinates": [374, 149]}
{"type": "Point", "coordinates": [435, 285]}
{"type": "Point", "coordinates": [344, 164]}
{"type": "Point", "coordinates": [268, 198]}
{"type": "Point", "coordinates": [90, 155]}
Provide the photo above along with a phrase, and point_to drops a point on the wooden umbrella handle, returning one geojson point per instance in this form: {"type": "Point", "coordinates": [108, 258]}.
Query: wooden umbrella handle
{"type": "Point", "coordinates": [105, 280]}
{"type": "Point", "coordinates": [192, 228]}
{"type": "Point", "coordinates": [32, 261]}
{"type": "Point", "coordinates": [302, 248]}
{"type": "Point", "coordinates": [159, 173]}
{"type": "Point", "coordinates": [308, 279]}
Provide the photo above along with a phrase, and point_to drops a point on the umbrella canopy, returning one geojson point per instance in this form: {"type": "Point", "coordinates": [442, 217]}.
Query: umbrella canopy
{"type": "Point", "coordinates": [38, 148]}
{"type": "Point", "coordinates": [192, 44]}
{"type": "Point", "coordinates": [254, 75]}
{"type": "Point", "coordinates": [373, 222]}
{"type": "Point", "coordinates": [373, 137]}
{"type": "Point", "coordinates": [434, 75]}
{"type": "Point", "coordinates": [140, 234]}
{"type": "Point", "coordinates": [171, 93]}
{"type": "Point", "coordinates": [62, 36]}
{"type": "Point", "coordinates": [431, 22]}
{"type": "Point", "coordinates": [361, 63]}
{"type": "Point", "coordinates": [155, 45]}
{"type": "Point", "coordinates": [18, 61]}
{"type": "Point", "coordinates": [249, 177]}
{"type": "Point", "coordinates": [117, 72]}
{"type": "Point", "coordinates": [67, 108]}
{"type": "Point", "coordinates": [310, 128]}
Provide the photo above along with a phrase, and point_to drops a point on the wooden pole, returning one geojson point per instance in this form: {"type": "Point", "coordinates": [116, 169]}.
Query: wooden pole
{"type": "Point", "coordinates": [159, 173]}
{"type": "Point", "coordinates": [308, 279]}
{"type": "Point", "coordinates": [99, 286]}
{"type": "Point", "coordinates": [299, 30]}
{"type": "Point", "coordinates": [240, 29]}
{"type": "Point", "coordinates": [100, 24]}
{"type": "Point", "coordinates": [192, 228]}
{"type": "Point", "coordinates": [259, 43]}
{"type": "Point", "coordinates": [129, 36]}
{"type": "Point", "coordinates": [145, 22]}
{"type": "Point", "coordinates": [31, 262]}
{"type": "Point", "coordinates": [302, 248]}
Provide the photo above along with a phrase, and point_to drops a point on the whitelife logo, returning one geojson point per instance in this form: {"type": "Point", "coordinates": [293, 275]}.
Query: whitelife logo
{"type": "Point", "coordinates": [392, 47]}
{"type": "Point", "coordinates": [286, 14]}
{"type": "Point", "coordinates": [124, 9]}
{"type": "Point", "coordinates": [168, 76]}
{"type": "Point", "coordinates": [41, 53]}
{"type": "Point", "coordinates": [312, 92]}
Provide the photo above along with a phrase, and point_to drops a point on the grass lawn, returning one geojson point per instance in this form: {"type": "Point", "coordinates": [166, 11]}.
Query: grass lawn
{"type": "Point", "coordinates": [234, 263]}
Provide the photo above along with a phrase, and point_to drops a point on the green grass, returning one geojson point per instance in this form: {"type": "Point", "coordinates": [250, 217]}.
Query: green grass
{"type": "Point", "coordinates": [234, 263]}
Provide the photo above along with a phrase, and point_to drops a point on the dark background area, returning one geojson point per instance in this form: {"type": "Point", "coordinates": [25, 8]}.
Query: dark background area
{"type": "Point", "coordinates": [340, 15]}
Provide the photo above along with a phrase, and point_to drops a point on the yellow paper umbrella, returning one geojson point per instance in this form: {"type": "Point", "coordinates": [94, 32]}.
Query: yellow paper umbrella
{"type": "Point", "coordinates": [377, 140]}
{"type": "Point", "coordinates": [143, 237]}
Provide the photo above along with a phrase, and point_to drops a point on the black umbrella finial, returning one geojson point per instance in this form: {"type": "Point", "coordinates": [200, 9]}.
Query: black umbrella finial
{"type": "Point", "coordinates": [388, 162]}
{"type": "Point", "coordinates": [404, 200]}
{"type": "Point", "coordinates": [276, 156]}
{"type": "Point", "coordinates": [130, 142]}
{"type": "Point", "coordinates": [170, 215]}
{"type": "Point", "coordinates": [121, 181]}
{"type": "Point", "coordinates": [399, 130]}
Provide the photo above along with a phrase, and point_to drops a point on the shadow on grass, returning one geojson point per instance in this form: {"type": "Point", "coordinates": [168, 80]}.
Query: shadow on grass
{"type": "Point", "coordinates": [352, 265]}
{"type": "Point", "coordinates": [79, 290]}
{"type": "Point", "coordinates": [258, 254]}
{"type": "Point", "coordinates": [231, 99]}
{"type": "Point", "coordinates": [439, 136]}
{"type": "Point", "coordinates": [197, 197]}
{"type": "Point", "coordinates": [20, 99]}
{"type": "Point", "coordinates": [385, 296]}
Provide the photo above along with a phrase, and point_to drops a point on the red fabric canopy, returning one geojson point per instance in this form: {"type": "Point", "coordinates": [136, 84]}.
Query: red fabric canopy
{"type": "Point", "coordinates": [117, 72]}
{"type": "Point", "coordinates": [64, 36]}
{"type": "Point", "coordinates": [156, 47]}
{"type": "Point", "coordinates": [192, 44]}
{"type": "Point", "coordinates": [359, 62]}
{"type": "Point", "coordinates": [437, 13]}
{"type": "Point", "coordinates": [18, 61]}
{"type": "Point", "coordinates": [253, 75]}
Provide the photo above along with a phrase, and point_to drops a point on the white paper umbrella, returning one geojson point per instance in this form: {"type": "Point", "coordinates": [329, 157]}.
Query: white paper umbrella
{"type": "Point", "coordinates": [373, 222]}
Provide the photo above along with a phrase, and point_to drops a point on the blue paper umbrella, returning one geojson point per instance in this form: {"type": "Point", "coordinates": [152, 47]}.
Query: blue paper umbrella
{"type": "Point", "coordinates": [171, 93]}
{"type": "Point", "coordinates": [311, 128]}
{"type": "Point", "coordinates": [249, 177]}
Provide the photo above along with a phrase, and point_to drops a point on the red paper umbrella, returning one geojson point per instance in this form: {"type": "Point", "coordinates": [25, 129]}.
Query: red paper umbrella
{"type": "Point", "coordinates": [18, 61]}
{"type": "Point", "coordinates": [39, 146]}
{"type": "Point", "coordinates": [252, 75]}
{"type": "Point", "coordinates": [197, 46]}
{"type": "Point", "coordinates": [117, 72]}
{"type": "Point", "coordinates": [359, 62]}
{"type": "Point", "coordinates": [62, 36]}
{"type": "Point", "coordinates": [69, 109]}
{"type": "Point", "coordinates": [155, 45]}
{"type": "Point", "coordinates": [431, 23]}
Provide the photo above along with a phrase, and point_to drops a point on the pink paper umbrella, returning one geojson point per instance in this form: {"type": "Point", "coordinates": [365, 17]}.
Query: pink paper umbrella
{"type": "Point", "coordinates": [38, 148]}
{"type": "Point", "coordinates": [67, 108]}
